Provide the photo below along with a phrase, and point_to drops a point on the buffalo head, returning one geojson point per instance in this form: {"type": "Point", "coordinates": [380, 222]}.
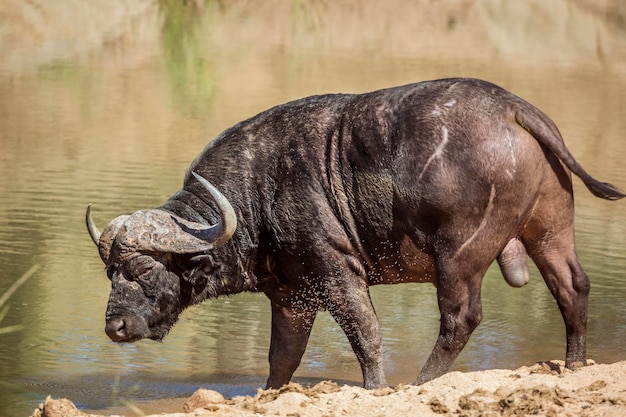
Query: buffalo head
{"type": "Point", "coordinates": [158, 264]}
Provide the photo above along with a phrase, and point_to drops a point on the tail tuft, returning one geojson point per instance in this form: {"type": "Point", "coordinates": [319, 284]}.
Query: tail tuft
{"type": "Point", "coordinates": [604, 190]}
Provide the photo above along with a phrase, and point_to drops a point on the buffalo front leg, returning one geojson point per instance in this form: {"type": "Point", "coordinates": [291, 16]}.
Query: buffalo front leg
{"type": "Point", "coordinates": [290, 333]}
{"type": "Point", "coordinates": [461, 312]}
{"type": "Point", "coordinates": [351, 307]}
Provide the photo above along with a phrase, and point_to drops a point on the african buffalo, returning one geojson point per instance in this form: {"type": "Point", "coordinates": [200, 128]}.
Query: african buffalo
{"type": "Point", "coordinates": [313, 201]}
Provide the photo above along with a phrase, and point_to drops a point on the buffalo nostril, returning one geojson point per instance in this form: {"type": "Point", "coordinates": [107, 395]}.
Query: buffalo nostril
{"type": "Point", "coordinates": [116, 329]}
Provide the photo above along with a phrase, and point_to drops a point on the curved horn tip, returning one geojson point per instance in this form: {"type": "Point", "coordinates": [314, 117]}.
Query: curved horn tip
{"type": "Point", "coordinates": [229, 218]}
{"type": "Point", "coordinates": [94, 233]}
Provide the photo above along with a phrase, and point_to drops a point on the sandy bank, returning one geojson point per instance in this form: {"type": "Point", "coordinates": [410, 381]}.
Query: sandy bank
{"type": "Point", "coordinates": [543, 389]}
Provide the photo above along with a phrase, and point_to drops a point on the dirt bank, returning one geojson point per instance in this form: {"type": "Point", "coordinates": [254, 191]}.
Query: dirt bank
{"type": "Point", "coordinates": [543, 389]}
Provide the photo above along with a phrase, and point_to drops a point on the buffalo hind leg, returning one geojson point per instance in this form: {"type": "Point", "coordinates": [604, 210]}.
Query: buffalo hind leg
{"type": "Point", "coordinates": [461, 311]}
{"type": "Point", "coordinates": [290, 333]}
{"type": "Point", "coordinates": [569, 285]}
{"type": "Point", "coordinates": [351, 307]}
{"type": "Point", "coordinates": [549, 239]}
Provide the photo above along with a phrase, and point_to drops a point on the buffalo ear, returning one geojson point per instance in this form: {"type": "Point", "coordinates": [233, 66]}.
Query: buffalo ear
{"type": "Point", "coordinates": [199, 258]}
{"type": "Point", "coordinates": [199, 268]}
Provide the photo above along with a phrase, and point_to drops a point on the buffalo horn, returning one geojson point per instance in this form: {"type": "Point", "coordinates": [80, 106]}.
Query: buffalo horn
{"type": "Point", "coordinates": [160, 231]}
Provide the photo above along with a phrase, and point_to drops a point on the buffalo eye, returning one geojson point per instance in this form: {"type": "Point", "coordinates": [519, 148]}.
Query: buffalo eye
{"type": "Point", "coordinates": [140, 268]}
{"type": "Point", "coordinates": [144, 273]}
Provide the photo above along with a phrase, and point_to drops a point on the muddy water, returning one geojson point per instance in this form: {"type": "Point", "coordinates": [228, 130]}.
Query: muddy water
{"type": "Point", "coordinates": [109, 103]}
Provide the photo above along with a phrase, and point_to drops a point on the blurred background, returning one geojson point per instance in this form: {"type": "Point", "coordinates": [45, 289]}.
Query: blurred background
{"type": "Point", "coordinates": [108, 101]}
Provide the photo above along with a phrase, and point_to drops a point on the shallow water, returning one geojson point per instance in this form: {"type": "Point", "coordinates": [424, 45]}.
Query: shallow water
{"type": "Point", "coordinates": [112, 108]}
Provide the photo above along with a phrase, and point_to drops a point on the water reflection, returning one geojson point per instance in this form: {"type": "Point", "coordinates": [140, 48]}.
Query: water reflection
{"type": "Point", "coordinates": [112, 109]}
{"type": "Point", "coordinates": [189, 71]}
